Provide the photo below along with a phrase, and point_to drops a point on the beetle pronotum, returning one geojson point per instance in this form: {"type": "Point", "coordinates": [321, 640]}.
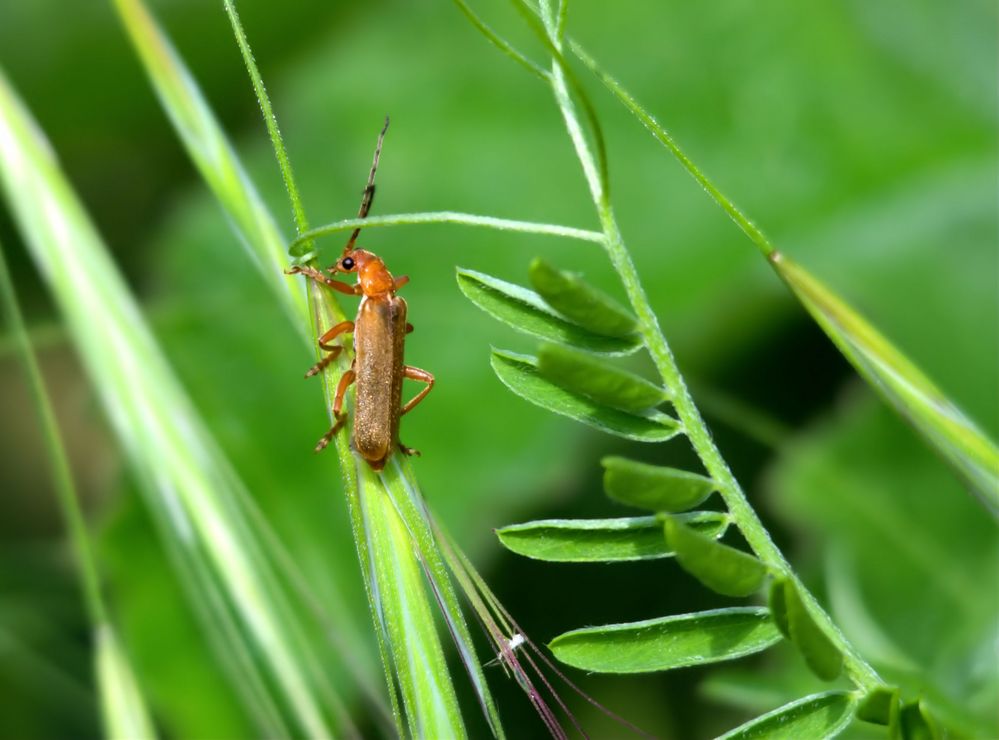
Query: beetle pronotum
{"type": "Point", "coordinates": [379, 339]}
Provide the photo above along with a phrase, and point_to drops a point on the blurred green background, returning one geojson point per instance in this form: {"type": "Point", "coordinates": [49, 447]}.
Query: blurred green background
{"type": "Point", "coordinates": [861, 136]}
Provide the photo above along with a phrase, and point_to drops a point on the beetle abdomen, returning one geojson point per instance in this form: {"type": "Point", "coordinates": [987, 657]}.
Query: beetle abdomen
{"type": "Point", "coordinates": [379, 334]}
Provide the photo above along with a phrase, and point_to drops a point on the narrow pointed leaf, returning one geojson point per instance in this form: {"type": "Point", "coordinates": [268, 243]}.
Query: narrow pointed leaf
{"type": "Point", "coordinates": [880, 706]}
{"type": "Point", "coordinates": [721, 568]}
{"type": "Point", "coordinates": [579, 301]}
{"type": "Point", "coordinates": [654, 487]}
{"type": "Point", "coordinates": [816, 717]}
{"type": "Point", "coordinates": [598, 379]}
{"type": "Point", "coordinates": [123, 710]}
{"type": "Point", "coordinates": [669, 642]}
{"type": "Point", "coordinates": [903, 385]}
{"type": "Point", "coordinates": [524, 310]}
{"type": "Point", "coordinates": [520, 374]}
{"type": "Point", "coordinates": [601, 540]}
{"type": "Point", "coordinates": [817, 649]}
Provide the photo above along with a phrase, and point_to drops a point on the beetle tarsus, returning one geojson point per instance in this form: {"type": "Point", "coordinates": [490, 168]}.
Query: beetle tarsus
{"type": "Point", "coordinates": [408, 451]}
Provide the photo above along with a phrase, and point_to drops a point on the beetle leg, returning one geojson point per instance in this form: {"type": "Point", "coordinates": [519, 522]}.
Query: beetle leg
{"type": "Point", "coordinates": [409, 328]}
{"type": "Point", "coordinates": [334, 349]}
{"type": "Point", "coordinates": [313, 273]}
{"type": "Point", "coordinates": [341, 418]}
{"type": "Point", "coordinates": [408, 451]}
{"type": "Point", "coordinates": [414, 373]}
{"type": "Point", "coordinates": [399, 282]}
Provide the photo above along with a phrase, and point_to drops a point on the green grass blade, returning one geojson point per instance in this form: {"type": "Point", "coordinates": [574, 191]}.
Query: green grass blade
{"type": "Point", "coordinates": [520, 374]}
{"type": "Point", "coordinates": [820, 717]}
{"type": "Point", "coordinates": [409, 503]}
{"type": "Point", "coordinates": [894, 376]}
{"type": "Point", "coordinates": [668, 642]}
{"type": "Point", "coordinates": [189, 486]}
{"type": "Point", "coordinates": [211, 152]}
{"type": "Point", "coordinates": [601, 540]}
{"type": "Point", "coordinates": [122, 706]}
{"type": "Point", "coordinates": [418, 658]}
{"type": "Point", "coordinates": [525, 311]}
{"type": "Point", "coordinates": [654, 487]}
{"type": "Point", "coordinates": [903, 385]}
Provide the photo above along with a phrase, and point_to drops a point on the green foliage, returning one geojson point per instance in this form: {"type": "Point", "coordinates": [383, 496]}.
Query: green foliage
{"type": "Point", "coordinates": [835, 171]}
{"type": "Point", "coordinates": [880, 706]}
{"type": "Point", "coordinates": [605, 384]}
{"type": "Point", "coordinates": [521, 375]}
{"type": "Point", "coordinates": [719, 567]}
{"type": "Point", "coordinates": [654, 487]}
{"type": "Point", "coordinates": [525, 311]}
{"type": "Point", "coordinates": [601, 540]}
{"type": "Point", "coordinates": [792, 618]}
{"type": "Point", "coordinates": [668, 642]}
{"type": "Point", "coordinates": [820, 716]}
{"type": "Point", "coordinates": [580, 302]}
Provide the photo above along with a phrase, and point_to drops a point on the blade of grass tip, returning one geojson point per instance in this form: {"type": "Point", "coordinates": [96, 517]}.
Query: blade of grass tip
{"type": "Point", "coordinates": [122, 704]}
{"type": "Point", "coordinates": [697, 432]}
{"type": "Point", "coordinates": [270, 120]}
{"type": "Point", "coordinates": [424, 681]}
{"type": "Point", "coordinates": [900, 383]}
{"type": "Point", "coordinates": [213, 155]}
{"type": "Point", "coordinates": [190, 487]}
{"type": "Point", "coordinates": [892, 374]}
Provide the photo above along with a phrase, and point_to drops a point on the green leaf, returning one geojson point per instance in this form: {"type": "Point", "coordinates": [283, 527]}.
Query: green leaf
{"type": "Point", "coordinates": [721, 568]}
{"type": "Point", "coordinates": [123, 709]}
{"type": "Point", "coordinates": [815, 717]}
{"type": "Point", "coordinates": [668, 642]}
{"type": "Point", "coordinates": [520, 374]}
{"type": "Point", "coordinates": [778, 607]}
{"type": "Point", "coordinates": [579, 301]}
{"type": "Point", "coordinates": [598, 380]}
{"type": "Point", "coordinates": [815, 646]}
{"type": "Point", "coordinates": [601, 540]}
{"type": "Point", "coordinates": [903, 385]}
{"type": "Point", "coordinates": [524, 310]}
{"type": "Point", "coordinates": [654, 487]}
{"type": "Point", "coordinates": [878, 706]}
{"type": "Point", "coordinates": [916, 723]}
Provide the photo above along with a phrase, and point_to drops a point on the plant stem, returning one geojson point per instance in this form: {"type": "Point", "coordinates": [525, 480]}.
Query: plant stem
{"type": "Point", "coordinates": [696, 429]}
{"type": "Point", "coordinates": [300, 244]}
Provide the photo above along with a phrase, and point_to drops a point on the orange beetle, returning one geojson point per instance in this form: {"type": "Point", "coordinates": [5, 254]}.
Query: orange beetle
{"type": "Point", "coordinates": [379, 339]}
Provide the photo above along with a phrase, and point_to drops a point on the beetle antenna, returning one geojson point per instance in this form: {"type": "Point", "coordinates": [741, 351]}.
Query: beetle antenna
{"type": "Point", "coordinates": [369, 190]}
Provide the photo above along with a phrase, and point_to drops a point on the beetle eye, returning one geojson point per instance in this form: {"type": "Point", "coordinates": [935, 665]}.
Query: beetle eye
{"type": "Point", "coordinates": [347, 263]}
